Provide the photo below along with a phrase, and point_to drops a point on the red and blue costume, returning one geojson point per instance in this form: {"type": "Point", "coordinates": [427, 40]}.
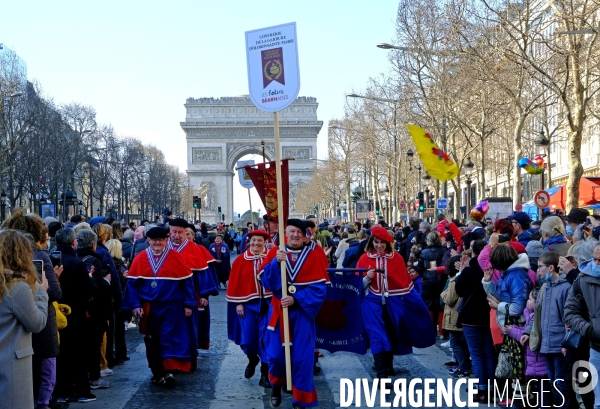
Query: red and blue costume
{"type": "Point", "coordinates": [306, 270]}
{"type": "Point", "coordinates": [162, 286]}
{"type": "Point", "coordinates": [197, 265]}
{"type": "Point", "coordinates": [245, 288]}
{"type": "Point", "coordinates": [208, 284]}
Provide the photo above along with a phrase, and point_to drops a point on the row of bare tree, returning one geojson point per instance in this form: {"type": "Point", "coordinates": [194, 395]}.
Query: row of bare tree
{"type": "Point", "coordinates": [46, 149]}
{"type": "Point", "coordinates": [484, 77]}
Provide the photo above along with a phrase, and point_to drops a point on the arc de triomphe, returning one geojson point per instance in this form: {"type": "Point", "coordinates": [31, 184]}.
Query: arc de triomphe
{"type": "Point", "coordinates": [220, 131]}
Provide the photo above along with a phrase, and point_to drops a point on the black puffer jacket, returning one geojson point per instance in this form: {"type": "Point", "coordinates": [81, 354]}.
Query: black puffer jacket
{"type": "Point", "coordinates": [432, 282]}
{"type": "Point", "coordinates": [45, 342]}
{"type": "Point", "coordinates": [475, 309]}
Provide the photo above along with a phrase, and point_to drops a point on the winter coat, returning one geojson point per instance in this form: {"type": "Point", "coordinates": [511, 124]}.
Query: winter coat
{"type": "Point", "coordinates": [433, 283]}
{"type": "Point", "coordinates": [475, 309]}
{"type": "Point", "coordinates": [451, 303]}
{"type": "Point", "coordinates": [20, 314]}
{"type": "Point", "coordinates": [513, 287]}
{"type": "Point", "coordinates": [484, 260]}
{"type": "Point", "coordinates": [351, 255]}
{"type": "Point", "coordinates": [115, 284]}
{"type": "Point", "coordinates": [552, 314]}
{"type": "Point", "coordinates": [524, 238]}
{"type": "Point", "coordinates": [582, 309]}
{"type": "Point", "coordinates": [127, 247]}
{"type": "Point", "coordinates": [561, 248]}
{"type": "Point", "coordinates": [77, 287]}
{"type": "Point", "coordinates": [99, 306]}
{"type": "Point", "coordinates": [45, 342]}
{"type": "Point", "coordinates": [535, 363]}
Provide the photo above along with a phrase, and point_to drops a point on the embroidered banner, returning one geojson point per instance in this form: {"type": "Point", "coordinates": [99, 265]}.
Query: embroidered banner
{"type": "Point", "coordinates": [264, 179]}
{"type": "Point", "coordinates": [339, 322]}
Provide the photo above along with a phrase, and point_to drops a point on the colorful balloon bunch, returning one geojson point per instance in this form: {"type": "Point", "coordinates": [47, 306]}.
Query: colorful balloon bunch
{"type": "Point", "coordinates": [479, 211]}
{"type": "Point", "coordinates": [533, 167]}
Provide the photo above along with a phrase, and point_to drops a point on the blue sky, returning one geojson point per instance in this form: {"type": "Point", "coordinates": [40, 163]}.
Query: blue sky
{"type": "Point", "coordinates": [136, 62]}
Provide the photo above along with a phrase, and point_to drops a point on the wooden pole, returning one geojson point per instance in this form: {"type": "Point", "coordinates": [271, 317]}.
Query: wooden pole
{"type": "Point", "coordinates": [251, 214]}
{"type": "Point", "coordinates": [284, 292]}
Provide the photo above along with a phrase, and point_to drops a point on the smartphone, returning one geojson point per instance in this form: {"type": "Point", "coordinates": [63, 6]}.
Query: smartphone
{"type": "Point", "coordinates": [39, 267]}
{"type": "Point", "coordinates": [56, 258]}
{"type": "Point", "coordinates": [433, 264]}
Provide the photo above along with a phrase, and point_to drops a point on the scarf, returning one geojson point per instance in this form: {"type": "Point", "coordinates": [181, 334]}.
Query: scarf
{"type": "Point", "coordinates": [554, 240]}
{"type": "Point", "coordinates": [218, 250]}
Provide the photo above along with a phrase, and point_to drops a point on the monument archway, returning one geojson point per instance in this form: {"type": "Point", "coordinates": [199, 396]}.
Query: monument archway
{"type": "Point", "coordinates": [221, 131]}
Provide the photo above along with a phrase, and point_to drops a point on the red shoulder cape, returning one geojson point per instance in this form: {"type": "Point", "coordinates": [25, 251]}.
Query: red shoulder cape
{"type": "Point", "coordinates": [174, 267]}
{"type": "Point", "coordinates": [398, 280]}
{"type": "Point", "coordinates": [243, 284]}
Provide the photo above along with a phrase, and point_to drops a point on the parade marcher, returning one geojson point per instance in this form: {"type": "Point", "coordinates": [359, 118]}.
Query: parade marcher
{"type": "Point", "coordinates": [395, 317]}
{"type": "Point", "coordinates": [209, 285]}
{"type": "Point", "coordinates": [222, 255]}
{"type": "Point", "coordinates": [307, 278]}
{"type": "Point", "coordinates": [159, 291]}
{"type": "Point", "coordinates": [248, 306]}
{"type": "Point", "coordinates": [196, 262]}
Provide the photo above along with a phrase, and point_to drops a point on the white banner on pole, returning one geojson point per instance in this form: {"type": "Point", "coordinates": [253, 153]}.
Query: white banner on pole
{"type": "Point", "coordinates": [273, 70]}
{"type": "Point", "coordinates": [245, 180]}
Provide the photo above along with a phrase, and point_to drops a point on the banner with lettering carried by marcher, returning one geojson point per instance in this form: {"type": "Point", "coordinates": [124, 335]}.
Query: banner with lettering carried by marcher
{"type": "Point", "coordinates": [263, 177]}
{"type": "Point", "coordinates": [339, 322]}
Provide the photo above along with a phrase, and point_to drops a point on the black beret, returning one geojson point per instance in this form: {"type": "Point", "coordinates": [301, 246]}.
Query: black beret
{"type": "Point", "coordinates": [178, 222]}
{"type": "Point", "coordinates": [193, 227]}
{"type": "Point", "coordinates": [297, 223]}
{"type": "Point", "coordinates": [309, 223]}
{"type": "Point", "coordinates": [157, 233]}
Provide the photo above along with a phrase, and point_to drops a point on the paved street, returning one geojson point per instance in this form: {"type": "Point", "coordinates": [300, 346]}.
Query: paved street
{"type": "Point", "coordinates": [219, 381]}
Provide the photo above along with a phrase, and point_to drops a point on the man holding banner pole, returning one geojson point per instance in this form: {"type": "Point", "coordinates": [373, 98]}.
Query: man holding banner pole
{"type": "Point", "coordinates": [306, 280]}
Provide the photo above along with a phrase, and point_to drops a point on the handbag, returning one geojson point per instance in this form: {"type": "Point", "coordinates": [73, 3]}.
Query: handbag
{"type": "Point", "coordinates": [504, 368]}
{"type": "Point", "coordinates": [571, 340]}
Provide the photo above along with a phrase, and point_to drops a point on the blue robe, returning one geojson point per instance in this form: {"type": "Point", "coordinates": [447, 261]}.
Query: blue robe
{"type": "Point", "coordinates": [224, 267]}
{"type": "Point", "coordinates": [311, 289]}
{"type": "Point", "coordinates": [163, 305]}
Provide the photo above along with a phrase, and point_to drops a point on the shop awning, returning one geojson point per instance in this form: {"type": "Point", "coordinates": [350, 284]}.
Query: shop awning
{"type": "Point", "coordinates": [589, 191]}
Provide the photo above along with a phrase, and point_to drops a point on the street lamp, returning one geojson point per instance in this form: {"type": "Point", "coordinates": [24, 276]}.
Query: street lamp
{"type": "Point", "coordinates": [3, 201]}
{"type": "Point", "coordinates": [468, 168]}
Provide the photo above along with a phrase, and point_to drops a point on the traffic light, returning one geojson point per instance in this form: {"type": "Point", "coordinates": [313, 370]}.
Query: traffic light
{"type": "Point", "coordinates": [223, 217]}
{"type": "Point", "coordinates": [219, 210]}
{"type": "Point", "coordinates": [377, 207]}
{"type": "Point", "coordinates": [421, 198]}
{"type": "Point", "coordinates": [196, 199]}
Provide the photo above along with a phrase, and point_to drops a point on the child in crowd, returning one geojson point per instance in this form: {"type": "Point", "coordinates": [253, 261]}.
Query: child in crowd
{"type": "Point", "coordinates": [535, 363]}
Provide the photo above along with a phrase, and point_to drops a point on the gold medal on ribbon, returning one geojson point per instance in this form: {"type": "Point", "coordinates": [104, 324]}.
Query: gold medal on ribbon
{"type": "Point", "coordinates": [292, 289]}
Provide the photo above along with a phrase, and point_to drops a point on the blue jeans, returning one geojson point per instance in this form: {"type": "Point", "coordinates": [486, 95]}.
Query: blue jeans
{"type": "Point", "coordinates": [557, 369]}
{"type": "Point", "coordinates": [460, 350]}
{"type": "Point", "coordinates": [483, 358]}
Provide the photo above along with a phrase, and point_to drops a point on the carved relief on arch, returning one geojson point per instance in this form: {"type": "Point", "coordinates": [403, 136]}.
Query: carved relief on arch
{"type": "Point", "coordinates": [207, 193]}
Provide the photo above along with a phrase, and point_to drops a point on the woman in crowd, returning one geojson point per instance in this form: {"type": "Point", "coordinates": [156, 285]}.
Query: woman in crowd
{"type": "Point", "coordinates": [554, 236]}
{"type": "Point", "coordinates": [432, 281]}
{"type": "Point", "coordinates": [221, 253]}
{"type": "Point", "coordinates": [474, 318]}
{"type": "Point", "coordinates": [116, 332]}
{"type": "Point", "coordinates": [23, 310]}
{"type": "Point", "coordinates": [451, 304]}
{"type": "Point", "coordinates": [407, 322]}
{"type": "Point", "coordinates": [510, 292]}
{"type": "Point", "coordinates": [45, 343]}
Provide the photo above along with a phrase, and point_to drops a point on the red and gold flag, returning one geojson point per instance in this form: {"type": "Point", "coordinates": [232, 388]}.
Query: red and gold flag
{"type": "Point", "coordinates": [263, 176]}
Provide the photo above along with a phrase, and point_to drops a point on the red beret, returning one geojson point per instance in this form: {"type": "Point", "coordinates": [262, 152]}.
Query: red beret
{"type": "Point", "coordinates": [262, 233]}
{"type": "Point", "coordinates": [519, 248]}
{"type": "Point", "coordinates": [381, 234]}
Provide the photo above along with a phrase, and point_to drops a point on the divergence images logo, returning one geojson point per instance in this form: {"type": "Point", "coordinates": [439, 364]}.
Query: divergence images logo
{"type": "Point", "coordinates": [584, 377]}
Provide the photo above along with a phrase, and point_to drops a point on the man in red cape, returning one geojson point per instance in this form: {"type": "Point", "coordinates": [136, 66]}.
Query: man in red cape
{"type": "Point", "coordinates": [248, 304]}
{"type": "Point", "coordinates": [197, 265]}
{"type": "Point", "coordinates": [159, 290]}
{"type": "Point", "coordinates": [306, 268]}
